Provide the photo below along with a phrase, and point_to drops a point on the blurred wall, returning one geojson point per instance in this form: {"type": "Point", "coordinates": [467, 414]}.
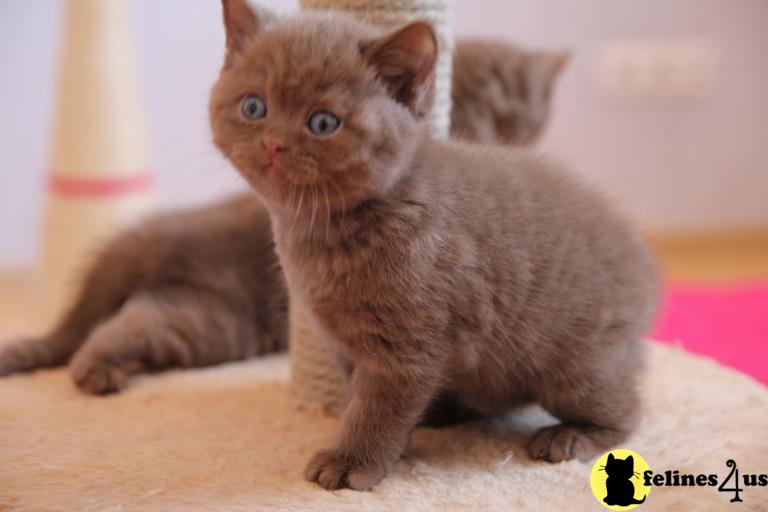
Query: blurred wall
{"type": "Point", "coordinates": [697, 165]}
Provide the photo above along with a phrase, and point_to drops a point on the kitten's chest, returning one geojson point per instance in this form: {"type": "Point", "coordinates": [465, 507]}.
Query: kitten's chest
{"type": "Point", "coordinates": [332, 279]}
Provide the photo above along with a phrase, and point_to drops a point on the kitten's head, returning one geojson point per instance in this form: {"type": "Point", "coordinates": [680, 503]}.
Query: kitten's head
{"type": "Point", "coordinates": [620, 468]}
{"type": "Point", "coordinates": [502, 93]}
{"type": "Point", "coordinates": [320, 107]}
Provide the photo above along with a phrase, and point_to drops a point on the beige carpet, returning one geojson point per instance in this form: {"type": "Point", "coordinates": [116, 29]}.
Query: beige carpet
{"type": "Point", "coordinates": [227, 438]}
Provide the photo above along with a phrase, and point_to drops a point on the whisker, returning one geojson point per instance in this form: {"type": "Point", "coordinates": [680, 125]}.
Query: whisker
{"type": "Point", "coordinates": [292, 199]}
{"type": "Point", "coordinates": [301, 200]}
{"type": "Point", "coordinates": [314, 211]}
{"type": "Point", "coordinates": [327, 214]}
{"type": "Point", "coordinates": [343, 203]}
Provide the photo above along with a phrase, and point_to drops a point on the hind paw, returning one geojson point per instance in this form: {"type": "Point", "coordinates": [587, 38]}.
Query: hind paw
{"type": "Point", "coordinates": [562, 442]}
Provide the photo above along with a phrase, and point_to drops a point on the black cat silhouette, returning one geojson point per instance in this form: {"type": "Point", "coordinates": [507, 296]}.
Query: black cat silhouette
{"type": "Point", "coordinates": [621, 491]}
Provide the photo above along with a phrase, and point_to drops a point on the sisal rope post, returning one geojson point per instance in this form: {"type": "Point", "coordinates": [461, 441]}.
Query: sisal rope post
{"type": "Point", "coordinates": [98, 177]}
{"type": "Point", "coordinates": [318, 382]}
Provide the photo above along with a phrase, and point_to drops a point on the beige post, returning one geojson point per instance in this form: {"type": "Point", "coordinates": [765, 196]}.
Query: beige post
{"type": "Point", "coordinates": [317, 380]}
{"type": "Point", "coordinates": [99, 179]}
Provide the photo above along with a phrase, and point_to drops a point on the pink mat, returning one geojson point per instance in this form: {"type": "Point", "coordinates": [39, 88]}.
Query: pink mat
{"type": "Point", "coordinates": [728, 323]}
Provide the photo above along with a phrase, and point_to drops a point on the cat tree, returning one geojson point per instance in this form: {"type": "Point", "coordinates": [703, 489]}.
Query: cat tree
{"type": "Point", "coordinates": [318, 382]}
{"type": "Point", "coordinates": [98, 179]}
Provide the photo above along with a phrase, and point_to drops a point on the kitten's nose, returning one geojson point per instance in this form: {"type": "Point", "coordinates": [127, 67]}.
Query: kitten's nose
{"type": "Point", "coordinates": [272, 146]}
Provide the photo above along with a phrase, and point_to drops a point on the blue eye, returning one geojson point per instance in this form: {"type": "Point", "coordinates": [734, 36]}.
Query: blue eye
{"type": "Point", "coordinates": [253, 107]}
{"type": "Point", "coordinates": [323, 123]}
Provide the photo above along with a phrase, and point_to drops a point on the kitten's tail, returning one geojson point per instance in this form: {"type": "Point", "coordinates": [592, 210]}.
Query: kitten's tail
{"type": "Point", "coordinates": [636, 502]}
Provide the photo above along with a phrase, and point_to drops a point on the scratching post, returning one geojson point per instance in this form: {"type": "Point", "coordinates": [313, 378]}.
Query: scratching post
{"type": "Point", "coordinates": [317, 380]}
{"type": "Point", "coordinates": [98, 178]}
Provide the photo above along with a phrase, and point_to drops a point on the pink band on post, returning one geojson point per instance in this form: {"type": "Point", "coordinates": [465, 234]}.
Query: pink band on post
{"type": "Point", "coordinates": [94, 187]}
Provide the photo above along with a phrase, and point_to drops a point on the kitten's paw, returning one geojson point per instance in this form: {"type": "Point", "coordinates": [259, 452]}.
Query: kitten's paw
{"type": "Point", "coordinates": [21, 355]}
{"type": "Point", "coordinates": [333, 470]}
{"type": "Point", "coordinates": [562, 442]}
{"type": "Point", "coordinates": [9, 359]}
{"type": "Point", "coordinates": [97, 377]}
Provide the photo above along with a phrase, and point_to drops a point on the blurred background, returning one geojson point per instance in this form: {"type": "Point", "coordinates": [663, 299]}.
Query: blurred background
{"type": "Point", "coordinates": [663, 104]}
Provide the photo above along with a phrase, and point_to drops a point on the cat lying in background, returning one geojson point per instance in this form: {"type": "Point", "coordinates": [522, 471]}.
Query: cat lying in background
{"type": "Point", "coordinates": [203, 286]}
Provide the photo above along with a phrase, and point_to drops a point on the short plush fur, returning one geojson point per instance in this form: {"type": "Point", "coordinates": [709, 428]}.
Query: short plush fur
{"type": "Point", "coordinates": [452, 276]}
{"type": "Point", "coordinates": [501, 93]}
{"type": "Point", "coordinates": [188, 289]}
{"type": "Point", "coordinates": [445, 272]}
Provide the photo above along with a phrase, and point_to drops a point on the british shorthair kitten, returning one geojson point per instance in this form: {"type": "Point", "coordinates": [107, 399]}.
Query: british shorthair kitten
{"type": "Point", "coordinates": [191, 288]}
{"type": "Point", "coordinates": [444, 271]}
{"type": "Point", "coordinates": [202, 286]}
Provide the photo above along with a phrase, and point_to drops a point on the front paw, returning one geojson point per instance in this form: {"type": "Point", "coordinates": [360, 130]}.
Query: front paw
{"type": "Point", "coordinates": [334, 470]}
{"type": "Point", "coordinates": [97, 377]}
{"type": "Point", "coordinates": [559, 443]}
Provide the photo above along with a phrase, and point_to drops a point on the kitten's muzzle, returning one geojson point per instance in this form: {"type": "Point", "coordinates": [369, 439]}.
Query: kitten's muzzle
{"type": "Point", "coordinates": [273, 146]}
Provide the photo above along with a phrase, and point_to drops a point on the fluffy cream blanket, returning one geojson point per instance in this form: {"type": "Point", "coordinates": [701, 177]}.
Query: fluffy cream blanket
{"type": "Point", "coordinates": [229, 438]}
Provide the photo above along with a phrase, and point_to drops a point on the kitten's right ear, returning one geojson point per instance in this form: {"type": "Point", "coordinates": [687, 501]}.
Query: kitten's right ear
{"type": "Point", "coordinates": [241, 21]}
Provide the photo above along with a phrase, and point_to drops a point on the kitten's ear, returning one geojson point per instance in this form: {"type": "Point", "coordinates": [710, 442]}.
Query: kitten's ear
{"type": "Point", "coordinates": [631, 460]}
{"type": "Point", "coordinates": [611, 458]}
{"type": "Point", "coordinates": [242, 21]}
{"type": "Point", "coordinates": [560, 60]}
{"type": "Point", "coordinates": [405, 62]}
{"type": "Point", "coordinates": [544, 68]}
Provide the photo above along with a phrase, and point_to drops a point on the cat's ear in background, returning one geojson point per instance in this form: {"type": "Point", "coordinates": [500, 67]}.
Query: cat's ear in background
{"type": "Point", "coordinates": [544, 68]}
{"type": "Point", "coordinates": [560, 60]}
{"type": "Point", "coordinates": [405, 61]}
{"type": "Point", "coordinates": [241, 21]}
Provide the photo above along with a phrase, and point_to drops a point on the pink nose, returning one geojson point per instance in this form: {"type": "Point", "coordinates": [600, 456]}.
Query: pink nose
{"type": "Point", "coordinates": [272, 146]}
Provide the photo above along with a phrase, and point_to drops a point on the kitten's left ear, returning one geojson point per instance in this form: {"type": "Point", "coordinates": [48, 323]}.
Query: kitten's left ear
{"type": "Point", "coordinates": [543, 69]}
{"type": "Point", "coordinates": [242, 21]}
{"type": "Point", "coordinates": [560, 60]}
{"type": "Point", "coordinates": [405, 61]}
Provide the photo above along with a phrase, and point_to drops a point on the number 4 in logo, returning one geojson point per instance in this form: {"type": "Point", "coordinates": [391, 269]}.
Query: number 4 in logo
{"type": "Point", "coordinates": [735, 474]}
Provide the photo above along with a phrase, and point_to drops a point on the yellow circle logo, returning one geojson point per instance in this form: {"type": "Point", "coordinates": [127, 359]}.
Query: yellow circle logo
{"type": "Point", "coordinates": [617, 480]}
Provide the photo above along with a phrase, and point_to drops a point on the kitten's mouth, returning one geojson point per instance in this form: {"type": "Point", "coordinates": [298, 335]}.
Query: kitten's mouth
{"type": "Point", "coordinates": [271, 168]}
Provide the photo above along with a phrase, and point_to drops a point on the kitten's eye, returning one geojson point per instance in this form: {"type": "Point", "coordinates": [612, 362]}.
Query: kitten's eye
{"type": "Point", "coordinates": [253, 107]}
{"type": "Point", "coordinates": [323, 123]}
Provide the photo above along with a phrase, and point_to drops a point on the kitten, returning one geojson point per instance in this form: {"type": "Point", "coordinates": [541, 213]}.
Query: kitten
{"type": "Point", "coordinates": [188, 289]}
{"type": "Point", "coordinates": [501, 93]}
{"type": "Point", "coordinates": [168, 265]}
{"type": "Point", "coordinates": [483, 276]}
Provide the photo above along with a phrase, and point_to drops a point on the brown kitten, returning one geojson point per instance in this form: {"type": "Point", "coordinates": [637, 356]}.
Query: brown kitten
{"type": "Point", "coordinates": [502, 93]}
{"type": "Point", "coordinates": [135, 277]}
{"type": "Point", "coordinates": [446, 272]}
{"type": "Point", "coordinates": [184, 289]}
